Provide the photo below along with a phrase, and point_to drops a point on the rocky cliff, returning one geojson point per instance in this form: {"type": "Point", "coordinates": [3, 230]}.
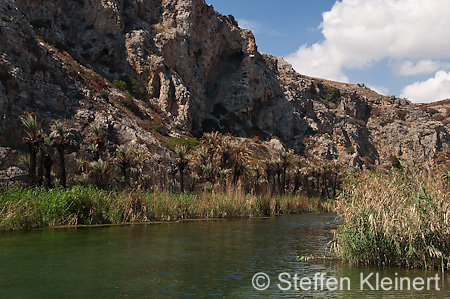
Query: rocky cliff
{"type": "Point", "coordinates": [146, 70]}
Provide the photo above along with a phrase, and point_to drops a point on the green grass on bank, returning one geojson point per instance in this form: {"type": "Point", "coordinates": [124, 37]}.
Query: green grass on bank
{"type": "Point", "coordinates": [396, 219]}
{"type": "Point", "coordinates": [22, 208]}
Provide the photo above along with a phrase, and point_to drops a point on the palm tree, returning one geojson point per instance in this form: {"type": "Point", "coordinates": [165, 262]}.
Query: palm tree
{"type": "Point", "coordinates": [182, 162]}
{"type": "Point", "coordinates": [286, 161]}
{"type": "Point", "coordinates": [94, 150]}
{"type": "Point", "coordinates": [96, 129]}
{"type": "Point", "coordinates": [40, 167]}
{"type": "Point", "coordinates": [99, 168]}
{"type": "Point", "coordinates": [271, 171]}
{"type": "Point", "coordinates": [297, 173]}
{"type": "Point", "coordinates": [46, 158]}
{"type": "Point", "coordinates": [239, 169]}
{"type": "Point", "coordinates": [278, 170]}
{"type": "Point", "coordinates": [200, 159]}
{"type": "Point", "coordinates": [97, 141]}
{"type": "Point", "coordinates": [140, 157]}
{"type": "Point", "coordinates": [33, 137]}
{"type": "Point", "coordinates": [219, 152]}
{"type": "Point", "coordinates": [207, 171]}
{"type": "Point", "coordinates": [123, 160]}
{"type": "Point", "coordinates": [257, 178]}
{"type": "Point", "coordinates": [239, 157]}
{"type": "Point", "coordinates": [226, 150]}
{"type": "Point", "coordinates": [60, 144]}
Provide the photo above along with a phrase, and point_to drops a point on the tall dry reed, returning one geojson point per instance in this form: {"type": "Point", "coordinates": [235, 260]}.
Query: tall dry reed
{"type": "Point", "coordinates": [398, 219]}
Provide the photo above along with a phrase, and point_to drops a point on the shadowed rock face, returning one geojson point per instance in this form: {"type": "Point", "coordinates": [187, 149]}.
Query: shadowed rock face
{"type": "Point", "coordinates": [30, 77]}
{"type": "Point", "coordinates": [190, 70]}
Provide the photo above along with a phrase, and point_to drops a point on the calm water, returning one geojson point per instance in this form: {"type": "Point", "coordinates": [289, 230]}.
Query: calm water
{"type": "Point", "coordinates": [197, 259]}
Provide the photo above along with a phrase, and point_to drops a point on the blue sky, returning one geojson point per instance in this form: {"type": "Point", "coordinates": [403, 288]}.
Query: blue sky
{"type": "Point", "coordinates": [399, 47]}
{"type": "Point", "coordinates": [280, 27]}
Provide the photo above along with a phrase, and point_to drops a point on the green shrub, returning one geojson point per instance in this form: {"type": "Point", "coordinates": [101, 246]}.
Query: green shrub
{"type": "Point", "coordinates": [332, 95]}
{"type": "Point", "coordinates": [126, 83]}
{"type": "Point", "coordinates": [385, 121]}
{"type": "Point", "coordinates": [105, 95]}
{"type": "Point", "coordinates": [432, 111]}
{"type": "Point", "coordinates": [350, 150]}
{"type": "Point", "coordinates": [189, 142]}
{"type": "Point", "coordinates": [395, 162]}
{"type": "Point", "coordinates": [401, 114]}
{"type": "Point", "coordinates": [122, 85]}
{"type": "Point", "coordinates": [368, 161]}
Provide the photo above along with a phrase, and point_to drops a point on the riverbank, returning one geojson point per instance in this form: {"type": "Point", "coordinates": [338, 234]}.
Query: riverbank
{"type": "Point", "coordinates": [397, 219]}
{"type": "Point", "coordinates": [23, 208]}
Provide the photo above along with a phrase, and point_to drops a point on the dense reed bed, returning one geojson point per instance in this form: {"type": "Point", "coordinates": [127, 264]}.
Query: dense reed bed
{"type": "Point", "coordinates": [396, 219]}
{"type": "Point", "coordinates": [22, 208]}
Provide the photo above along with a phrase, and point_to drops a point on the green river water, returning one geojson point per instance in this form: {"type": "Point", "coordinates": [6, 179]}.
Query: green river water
{"type": "Point", "coordinates": [191, 259]}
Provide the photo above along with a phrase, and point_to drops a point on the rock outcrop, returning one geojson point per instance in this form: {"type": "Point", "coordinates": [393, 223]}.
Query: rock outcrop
{"type": "Point", "coordinates": [148, 69]}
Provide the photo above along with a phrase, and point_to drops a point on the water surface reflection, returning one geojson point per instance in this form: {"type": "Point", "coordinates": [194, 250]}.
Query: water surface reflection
{"type": "Point", "coordinates": [198, 259]}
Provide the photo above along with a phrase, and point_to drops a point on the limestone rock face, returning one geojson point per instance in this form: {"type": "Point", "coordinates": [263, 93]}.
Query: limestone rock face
{"type": "Point", "coordinates": [35, 76]}
{"type": "Point", "coordinates": [362, 127]}
{"type": "Point", "coordinates": [145, 68]}
{"type": "Point", "coordinates": [29, 76]}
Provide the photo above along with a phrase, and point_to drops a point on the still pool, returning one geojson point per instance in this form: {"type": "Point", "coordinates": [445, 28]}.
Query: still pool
{"type": "Point", "coordinates": [193, 259]}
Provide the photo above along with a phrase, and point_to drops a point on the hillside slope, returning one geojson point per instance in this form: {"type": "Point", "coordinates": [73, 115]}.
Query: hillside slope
{"type": "Point", "coordinates": [147, 70]}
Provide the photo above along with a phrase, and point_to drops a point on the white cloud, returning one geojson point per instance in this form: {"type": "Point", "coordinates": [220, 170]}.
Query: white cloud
{"type": "Point", "coordinates": [379, 89]}
{"type": "Point", "coordinates": [256, 27]}
{"type": "Point", "coordinates": [433, 89]}
{"type": "Point", "coordinates": [319, 60]}
{"type": "Point", "coordinates": [408, 68]}
{"type": "Point", "coordinates": [358, 33]}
